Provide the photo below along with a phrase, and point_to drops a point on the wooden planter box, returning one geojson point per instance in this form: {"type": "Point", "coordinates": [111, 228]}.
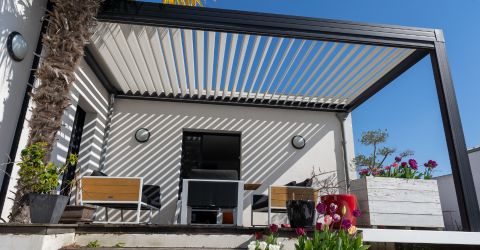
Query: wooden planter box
{"type": "Point", "coordinates": [77, 214]}
{"type": "Point", "coordinates": [395, 202]}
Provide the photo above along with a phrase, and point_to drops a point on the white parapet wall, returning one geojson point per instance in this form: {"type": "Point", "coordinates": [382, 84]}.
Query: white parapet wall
{"type": "Point", "coordinates": [448, 197]}
{"type": "Point", "coordinates": [36, 241]}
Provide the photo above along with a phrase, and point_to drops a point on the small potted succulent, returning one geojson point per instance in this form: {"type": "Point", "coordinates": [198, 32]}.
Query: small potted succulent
{"type": "Point", "coordinates": [46, 206]}
{"type": "Point", "coordinates": [401, 194]}
{"type": "Point", "coordinates": [332, 231]}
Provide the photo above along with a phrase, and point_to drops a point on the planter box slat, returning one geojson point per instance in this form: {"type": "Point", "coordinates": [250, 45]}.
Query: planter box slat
{"type": "Point", "coordinates": [397, 195]}
{"type": "Point", "coordinates": [407, 220]}
{"type": "Point", "coordinates": [396, 184]}
{"type": "Point", "coordinates": [388, 207]}
{"type": "Point", "coordinates": [398, 202]}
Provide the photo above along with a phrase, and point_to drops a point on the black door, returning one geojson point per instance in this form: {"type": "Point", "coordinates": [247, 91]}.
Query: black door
{"type": "Point", "coordinates": [73, 148]}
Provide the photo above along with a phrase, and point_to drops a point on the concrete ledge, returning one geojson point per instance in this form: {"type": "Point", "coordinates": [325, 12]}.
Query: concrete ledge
{"type": "Point", "coordinates": [42, 229]}
{"type": "Point", "coordinates": [421, 236]}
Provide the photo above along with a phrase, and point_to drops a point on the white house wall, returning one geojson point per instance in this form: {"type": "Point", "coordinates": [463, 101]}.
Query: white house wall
{"type": "Point", "coordinates": [267, 154]}
{"type": "Point", "coordinates": [93, 98]}
{"type": "Point", "coordinates": [23, 16]}
{"type": "Point", "coordinates": [448, 197]}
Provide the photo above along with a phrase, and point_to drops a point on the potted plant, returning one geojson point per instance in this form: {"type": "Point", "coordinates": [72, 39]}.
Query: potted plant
{"type": "Point", "coordinates": [332, 231]}
{"type": "Point", "coordinates": [43, 179]}
{"type": "Point", "coordinates": [301, 211]}
{"type": "Point", "coordinates": [399, 194]}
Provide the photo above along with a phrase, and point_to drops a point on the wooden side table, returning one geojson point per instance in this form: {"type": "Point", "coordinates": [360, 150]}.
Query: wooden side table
{"type": "Point", "coordinates": [251, 186]}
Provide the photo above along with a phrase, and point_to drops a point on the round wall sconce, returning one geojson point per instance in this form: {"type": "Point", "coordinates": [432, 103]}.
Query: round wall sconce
{"type": "Point", "coordinates": [298, 142]}
{"type": "Point", "coordinates": [142, 135]}
{"type": "Point", "coordinates": [17, 46]}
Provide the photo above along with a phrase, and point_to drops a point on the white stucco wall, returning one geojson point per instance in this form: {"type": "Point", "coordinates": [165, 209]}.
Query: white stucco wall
{"type": "Point", "coordinates": [23, 16]}
{"type": "Point", "coordinates": [93, 98]}
{"type": "Point", "coordinates": [448, 197]}
{"type": "Point", "coordinates": [267, 155]}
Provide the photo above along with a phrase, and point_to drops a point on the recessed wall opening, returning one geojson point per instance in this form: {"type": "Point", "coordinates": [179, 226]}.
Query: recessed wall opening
{"type": "Point", "coordinates": [211, 154]}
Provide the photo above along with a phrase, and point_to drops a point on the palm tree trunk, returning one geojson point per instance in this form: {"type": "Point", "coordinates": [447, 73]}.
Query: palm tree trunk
{"type": "Point", "coordinates": [69, 30]}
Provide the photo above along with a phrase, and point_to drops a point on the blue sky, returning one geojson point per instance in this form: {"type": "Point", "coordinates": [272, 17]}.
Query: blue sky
{"type": "Point", "coordinates": [407, 108]}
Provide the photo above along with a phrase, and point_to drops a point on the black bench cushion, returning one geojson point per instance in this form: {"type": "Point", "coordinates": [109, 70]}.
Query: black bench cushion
{"type": "Point", "coordinates": [260, 201]}
{"type": "Point", "coordinates": [204, 194]}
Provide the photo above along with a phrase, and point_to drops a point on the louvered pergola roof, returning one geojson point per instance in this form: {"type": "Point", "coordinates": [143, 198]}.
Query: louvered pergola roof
{"type": "Point", "coordinates": [178, 53]}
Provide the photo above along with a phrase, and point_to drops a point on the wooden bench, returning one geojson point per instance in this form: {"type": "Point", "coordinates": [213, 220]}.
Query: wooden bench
{"type": "Point", "coordinates": [124, 193]}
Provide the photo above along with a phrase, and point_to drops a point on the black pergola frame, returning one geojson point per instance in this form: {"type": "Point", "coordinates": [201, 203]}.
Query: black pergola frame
{"type": "Point", "coordinates": [425, 41]}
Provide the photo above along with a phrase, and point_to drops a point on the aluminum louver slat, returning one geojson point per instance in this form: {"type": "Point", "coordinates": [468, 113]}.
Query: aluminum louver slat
{"type": "Point", "coordinates": [244, 68]}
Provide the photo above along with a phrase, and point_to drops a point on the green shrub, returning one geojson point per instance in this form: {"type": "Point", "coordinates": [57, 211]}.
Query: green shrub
{"type": "Point", "coordinates": [40, 177]}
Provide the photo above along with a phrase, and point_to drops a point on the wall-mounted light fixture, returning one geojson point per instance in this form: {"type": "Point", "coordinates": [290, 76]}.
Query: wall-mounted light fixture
{"type": "Point", "coordinates": [298, 142]}
{"type": "Point", "coordinates": [17, 46]}
{"type": "Point", "coordinates": [142, 135]}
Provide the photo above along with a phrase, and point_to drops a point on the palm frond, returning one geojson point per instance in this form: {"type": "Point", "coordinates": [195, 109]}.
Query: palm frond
{"type": "Point", "coordinates": [184, 2]}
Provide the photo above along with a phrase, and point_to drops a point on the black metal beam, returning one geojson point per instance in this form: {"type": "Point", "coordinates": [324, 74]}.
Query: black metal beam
{"type": "Point", "coordinates": [157, 14]}
{"type": "Point", "coordinates": [399, 69]}
{"type": "Point", "coordinates": [241, 103]}
{"type": "Point", "coordinates": [461, 170]}
{"type": "Point", "coordinates": [97, 70]}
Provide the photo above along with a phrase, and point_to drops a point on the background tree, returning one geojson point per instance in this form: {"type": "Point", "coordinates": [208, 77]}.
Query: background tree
{"type": "Point", "coordinates": [375, 138]}
{"type": "Point", "coordinates": [70, 27]}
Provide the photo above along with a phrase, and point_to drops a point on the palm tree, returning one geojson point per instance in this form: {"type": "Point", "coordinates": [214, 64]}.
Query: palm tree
{"type": "Point", "coordinates": [69, 30]}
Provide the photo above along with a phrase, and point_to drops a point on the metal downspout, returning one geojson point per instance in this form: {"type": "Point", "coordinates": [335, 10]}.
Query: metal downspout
{"type": "Point", "coordinates": [106, 132]}
{"type": "Point", "coordinates": [341, 118]}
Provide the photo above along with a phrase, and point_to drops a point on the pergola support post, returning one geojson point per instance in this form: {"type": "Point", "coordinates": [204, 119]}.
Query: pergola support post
{"type": "Point", "coordinates": [462, 173]}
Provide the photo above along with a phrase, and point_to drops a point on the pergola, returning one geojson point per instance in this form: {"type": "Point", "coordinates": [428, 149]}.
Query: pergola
{"type": "Point", "coordinates": [162, 52]}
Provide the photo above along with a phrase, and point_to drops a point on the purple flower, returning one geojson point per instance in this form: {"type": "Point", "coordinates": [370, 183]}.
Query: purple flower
{"type": "Point", "coordinates": [346, 224]}
{"type": "Point", "coordinates": [398, 158]}
{"type": "Point", "coordinates": [363, 172]}
{"type": "Point", "coordinates": [333, 207]}
{"type": "Point", "coordinates": [356, 213]}
{"type": "Point", "coordinates": [274, 228]}
{"type": "Point", "coordinates": [336, 218]}
{"type": "Point", "coordinates": [321, 208]}
{"type": "Point", "coordinates": [300, 231]}
{"type": "Point", "coordinates": [258, 235]}
{"type": "Point", "coordinates": [413, 164]}
{"type": "Point", "coordinates": [403, 164]}
{"type": "Point", "coordinates": [431, 164]}
{"type": "Point", "coordinates": [319, 226]}
{"type": "Point", "coordinates": [387, 168]}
